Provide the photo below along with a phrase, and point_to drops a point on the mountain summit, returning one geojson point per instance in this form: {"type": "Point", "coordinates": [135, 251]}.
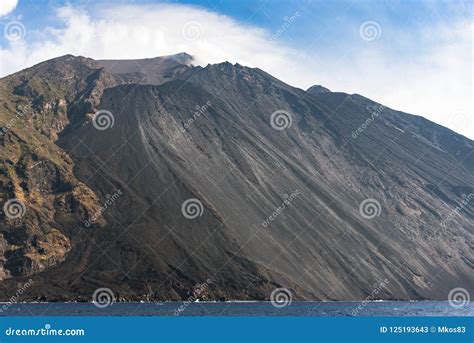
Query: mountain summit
{"type": "Point", "coordinates": [152, 176]}
{"type": "Point", "coordinates": [149, 70]}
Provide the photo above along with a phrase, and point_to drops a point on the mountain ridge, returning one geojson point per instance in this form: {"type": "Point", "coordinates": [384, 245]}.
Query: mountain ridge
{"type": "Point", "coordinates": [167, 145]}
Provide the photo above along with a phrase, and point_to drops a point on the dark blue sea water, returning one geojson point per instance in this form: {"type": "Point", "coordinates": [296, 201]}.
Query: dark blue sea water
{"type": "Point", "coordinates": [386, 308]}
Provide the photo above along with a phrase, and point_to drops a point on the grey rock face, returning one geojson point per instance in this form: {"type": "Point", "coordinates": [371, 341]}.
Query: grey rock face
{"type": "Point", "coordinates": [326, 194]}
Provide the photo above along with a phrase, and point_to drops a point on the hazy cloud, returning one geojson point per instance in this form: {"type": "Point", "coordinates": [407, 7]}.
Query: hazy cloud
{"type": "Point", "coordinates": [7, 6]}
{"type": "Point", "coordinates": [436, 84]}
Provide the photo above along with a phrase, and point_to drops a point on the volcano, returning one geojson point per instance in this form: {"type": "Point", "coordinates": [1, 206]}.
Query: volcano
{"type": "Point", "coordinates": [152, 176]}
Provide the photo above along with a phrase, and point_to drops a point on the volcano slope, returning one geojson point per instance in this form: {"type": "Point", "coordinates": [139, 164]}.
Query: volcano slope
{"type": "Point", "coordinates": [152, 184]}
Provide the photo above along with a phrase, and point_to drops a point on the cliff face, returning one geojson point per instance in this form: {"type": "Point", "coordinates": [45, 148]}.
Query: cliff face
{"type": "Point", "coordinates": [42, 199]}
{"type": "Point", "coordinates": [152, 176]}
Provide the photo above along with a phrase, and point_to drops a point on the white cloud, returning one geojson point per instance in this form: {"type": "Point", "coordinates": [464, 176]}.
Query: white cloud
{"type": "Point", "coordinates": [7, 6]}
{"type": "Point", "coordinates": [436, 84]}
{"type": "Point", "coordinates": [147, 31]}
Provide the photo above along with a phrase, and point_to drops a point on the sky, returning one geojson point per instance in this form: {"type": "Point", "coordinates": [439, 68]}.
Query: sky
{"type": "Point", "coordinates": [413, 56]}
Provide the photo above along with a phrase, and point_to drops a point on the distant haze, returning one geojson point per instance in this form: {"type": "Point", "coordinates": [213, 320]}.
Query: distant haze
{"type": "Point", "coordinates": [436, 84]}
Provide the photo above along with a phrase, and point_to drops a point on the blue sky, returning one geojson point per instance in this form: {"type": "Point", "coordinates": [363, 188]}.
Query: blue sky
{"type": "Point", "coordinates": [415, 56]}
{"type": "Point", "coordinates": [333, 16]}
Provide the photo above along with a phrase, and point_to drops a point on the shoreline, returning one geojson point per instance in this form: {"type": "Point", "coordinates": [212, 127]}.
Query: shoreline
{"type": "Point", "coordinates": [226, 302]}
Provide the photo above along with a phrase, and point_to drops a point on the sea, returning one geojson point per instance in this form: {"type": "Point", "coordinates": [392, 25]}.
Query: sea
{"type": "Point", "coordinates": [251, 308]}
